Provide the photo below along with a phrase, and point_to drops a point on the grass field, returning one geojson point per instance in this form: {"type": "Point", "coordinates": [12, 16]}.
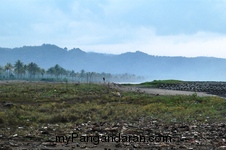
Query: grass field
{"type": "Point", "coordinates": [156, 83]}
{"type": "Point", "coordinates": [41, 103]}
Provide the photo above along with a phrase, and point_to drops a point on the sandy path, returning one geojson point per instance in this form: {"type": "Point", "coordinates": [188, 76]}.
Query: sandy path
{"type": "Point", "coordinates": [156, 91]}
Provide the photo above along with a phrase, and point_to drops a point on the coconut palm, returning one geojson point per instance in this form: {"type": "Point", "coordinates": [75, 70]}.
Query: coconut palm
{"type": "Point", "coordinates": [1, 70]}
{"type": "Point", "coordinates": [19, 68]}
{"type": "Point", "coordinates": [50, 71]}
{"type": "Point", "coordinates": [57, 70]}
{"type": "Point", "coordinates": [32, 69]}
{"type": "Point", "coordinates": [72, 74]}
{"type": "Point", "coordinates": [89, 77]}
{"type": "Point", "coordinates": [8, 68]}
{"type": "Point", "coordinates": [82, 74]}
{"type": "Point", "coordinates": [42, 71]}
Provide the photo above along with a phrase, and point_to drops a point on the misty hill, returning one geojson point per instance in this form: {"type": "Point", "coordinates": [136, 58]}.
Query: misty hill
{"type": "Point", "coordinates": [139, 63]}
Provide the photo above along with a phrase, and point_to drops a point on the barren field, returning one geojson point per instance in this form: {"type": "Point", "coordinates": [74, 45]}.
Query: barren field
{"type": "Point", "coordinates": [39, 115]}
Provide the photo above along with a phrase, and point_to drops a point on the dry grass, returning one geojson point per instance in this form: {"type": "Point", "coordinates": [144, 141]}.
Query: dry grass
{"type": "Point", "coordinates": [42, 103]}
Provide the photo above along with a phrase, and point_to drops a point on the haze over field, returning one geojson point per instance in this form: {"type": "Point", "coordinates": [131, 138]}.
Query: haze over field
{"type": "Point", "coordinates": [63, 62]}
{"type": "Point", "coordinates": [138, 63]}
{"type": "Point", "coordinates": [157, 27]}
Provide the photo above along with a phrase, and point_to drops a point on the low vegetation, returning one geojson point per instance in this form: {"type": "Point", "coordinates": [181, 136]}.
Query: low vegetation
{"type": "Point", "coordinates": [33, 103]}
{"type": "Point", "coordinates": [156, 83]}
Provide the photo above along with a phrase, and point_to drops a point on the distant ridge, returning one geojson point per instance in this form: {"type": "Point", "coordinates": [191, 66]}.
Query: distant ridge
{"type": "Point", "coordinates": [139, 63]}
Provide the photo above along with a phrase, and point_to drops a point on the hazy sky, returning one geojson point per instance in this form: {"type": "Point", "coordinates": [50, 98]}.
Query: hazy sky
{"type": "Point", "coordinates": [157, 27]}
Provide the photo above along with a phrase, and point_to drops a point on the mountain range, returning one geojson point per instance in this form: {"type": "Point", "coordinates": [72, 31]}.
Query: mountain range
{"type": "Point", "coordinates": [139, 63]}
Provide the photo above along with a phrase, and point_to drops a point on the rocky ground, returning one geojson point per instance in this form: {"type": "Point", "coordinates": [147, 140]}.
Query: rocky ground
{"type": "Point", "coordinates": [206, 88]}
{"type": "Point", "coordinates": [143, 133]}
{"type": "Point", "coordinates": [215, 88]}
{"type": "Point", "coordinates": [161, 91]}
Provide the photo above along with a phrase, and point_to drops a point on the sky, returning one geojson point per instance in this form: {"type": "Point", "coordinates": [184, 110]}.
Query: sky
{"type": "Point", "coordinates": [187, 28]}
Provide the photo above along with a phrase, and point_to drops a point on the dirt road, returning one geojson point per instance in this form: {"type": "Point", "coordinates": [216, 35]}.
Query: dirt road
{"type": "Point", "coordinates": [156, 91]}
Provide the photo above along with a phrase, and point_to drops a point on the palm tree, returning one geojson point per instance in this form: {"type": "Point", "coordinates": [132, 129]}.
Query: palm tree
{"type": "Point", "coordinates": [59, 71]}
{"type": "Point", "coordinates": [50, 71]}
{"type": "Point", "coordinates": [8, 68]}
{"type": "Point", "coordinates": [89, 77]}
{"type": "Point", "coordinates": [72, 75]}
{"type": "Point", "coordinates": [24, 70]}
{"type": "Point", "coordinates": [1, 70]}
{"type": "Point", "coordinates": [63, 72]}
{"type": "Point", "coordinates": [42, 71]}
{"type": "Point", "coordinates": [82, 74]}
{"type": "Point", "coordinates": [19, 68]}
{"type": "Point", "coordinates": [32, 69]}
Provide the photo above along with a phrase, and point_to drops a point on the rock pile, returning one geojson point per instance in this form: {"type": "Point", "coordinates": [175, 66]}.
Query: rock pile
{"type": "Point", "coordinates": [215, 88]}
{"type": "Point", "coordinates": [142, 134]}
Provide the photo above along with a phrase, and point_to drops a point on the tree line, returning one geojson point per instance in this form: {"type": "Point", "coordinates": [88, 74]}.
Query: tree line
{"type": "Point", "coordinates": [31, 71]}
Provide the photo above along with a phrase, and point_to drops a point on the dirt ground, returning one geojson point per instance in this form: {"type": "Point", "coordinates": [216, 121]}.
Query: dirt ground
{"type": "Point", "coordinates": [188, 136]}
{"type": "Point", "coordinates": [156, 91]}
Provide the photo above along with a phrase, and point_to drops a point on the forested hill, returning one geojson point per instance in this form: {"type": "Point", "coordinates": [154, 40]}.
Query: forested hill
{"type": "Point", "coordinates": [139, 63]}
